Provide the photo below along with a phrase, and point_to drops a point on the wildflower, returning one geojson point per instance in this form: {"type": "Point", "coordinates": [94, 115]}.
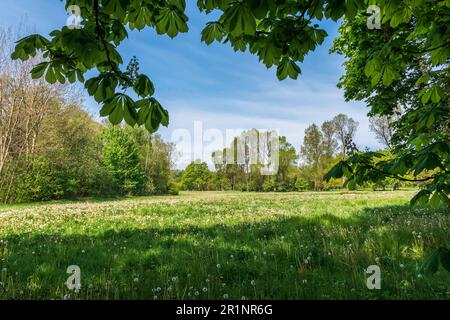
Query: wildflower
{"type": "Point", "coordinates": [169, 288]}
{"type": "Point", "coordinates": [419, 276]}
{"type": "Point", "coordinates": [218, 266]}
{"type": "Point", "coordinates": [243, 298]}
{"type": "Point", "coordinates": [155, 297]}
{"type": "Point", "coordinates": [158, 289]}
{"type": "Point", "coordinates": [402, 265]}
{"type": "Point", "coordinates": [82, 251]}
{"type": "Point", "coordinates": [225, 296]}
{"type": "Point", "coordinates": [174, 279]}
{"type": "Point", "coordinates": [66, 297]}
{"type": "Point", "coordinates": [136, 280]}
{"type": "Point", "coordinates": [253, 282]}
{"type": "Point", "coordinates": [196, 293]}
{"type": "Point", "coordinates": [205, 289]}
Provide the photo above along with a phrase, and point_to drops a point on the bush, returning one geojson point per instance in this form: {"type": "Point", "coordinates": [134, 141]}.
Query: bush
{"type": "Point", "coordinates": [174, 189]}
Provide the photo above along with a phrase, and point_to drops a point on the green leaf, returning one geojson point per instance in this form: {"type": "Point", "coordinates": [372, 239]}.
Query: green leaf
{"type": "Point", "coordinates": [102, 87]}
{"type": "Point", "coordinates": [116, 116]}
{"type": "Point", "coordinates": [38, 71]}
{"type": "Point", "coordinates": [130, 114]}
{"type": "Point", "coordinates": [50, 76]}
{"type": "Point", "coordinates": [372, 66]}
{"type": "Point", "coordinates": [286, 68]}
{"type": "Point", "coordinates": [144, 86]}
{"type": "Point", "coordinates": [151, 114]}
{"type": "Point", "coordinates": [238, 19]}
{"type": "Point", "coordinates": [335, 172]}
{"type": "Point", "coordinates": [171, 21]}
{"type": "Point", "coordinates": [212, 31]}
{"type": "Point", "coordinates": [107, 108]}
{"type": "Point", "coordinates": [430, 266]}
{"type": "Point", "coordinates": [436, 94]}
{"type": "Point", "coordinates": [389, 75]}
{"type": "Point", "coordinates": [421, 197]}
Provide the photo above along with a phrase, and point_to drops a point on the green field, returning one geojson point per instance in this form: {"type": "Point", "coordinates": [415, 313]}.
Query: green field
{"type": "Point", "coordinates": [213, 245]}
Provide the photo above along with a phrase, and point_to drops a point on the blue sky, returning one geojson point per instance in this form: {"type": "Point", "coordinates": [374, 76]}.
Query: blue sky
{"type": "Point", "coordinates": [215, 85]}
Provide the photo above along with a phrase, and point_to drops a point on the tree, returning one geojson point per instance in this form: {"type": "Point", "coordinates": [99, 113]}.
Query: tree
{"type": "Point", "coordinates": [403, 65]}
{"type": "Point", "coordinates": [23, 105]}
{"type": "Point", "coordinates": [329, 143]}
{"type": "Point", "coordinates": [121, 161]}
{"type": "Point", "coordinates": [311, 151]}
{"type": "Point", "coordinates": [196, 176]}
{"type": "Point", "coordinates": [345, 129]}
{"type": "Point", "coordinates": [156, 159]}
{"type": "Point", "coordinates": [383, 127]}
{"type": "Point", "coordinates": [287, 159]}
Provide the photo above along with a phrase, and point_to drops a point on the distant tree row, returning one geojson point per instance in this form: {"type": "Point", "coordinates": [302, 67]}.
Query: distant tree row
{"type": "Point", "coordinates": [323, 146]}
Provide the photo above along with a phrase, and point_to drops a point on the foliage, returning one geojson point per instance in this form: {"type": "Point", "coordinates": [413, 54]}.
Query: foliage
{"type": "Point", "coordinates": [405, 63]}
{"type": "Point", "coordinates": [280, 33]}
{"type": "Point", "coordinates": [196, 176]}
{"type": "Point", "coordinates": [121, 161]}
{"type": "Point", "coordinates": [406, 67]}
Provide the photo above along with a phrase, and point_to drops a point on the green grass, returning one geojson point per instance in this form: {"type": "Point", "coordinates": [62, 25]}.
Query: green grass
{"type": "Point", "coordinates": [224, 246]}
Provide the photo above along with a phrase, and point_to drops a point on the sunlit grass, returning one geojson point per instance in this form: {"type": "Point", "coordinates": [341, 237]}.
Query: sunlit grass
{"type": "Point", "coordinates": [223, 246]}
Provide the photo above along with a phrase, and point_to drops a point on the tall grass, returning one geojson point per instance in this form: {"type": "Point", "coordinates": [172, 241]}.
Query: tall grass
{"type": "Point", "coordinates": [224, 246]}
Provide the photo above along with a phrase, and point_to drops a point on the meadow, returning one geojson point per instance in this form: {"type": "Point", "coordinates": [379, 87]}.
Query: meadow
{"type": "Point", "coordinates": [224, 245]}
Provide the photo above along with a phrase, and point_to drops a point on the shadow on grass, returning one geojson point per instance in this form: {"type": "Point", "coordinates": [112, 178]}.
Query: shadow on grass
{"type": "Point", "coordinates": [323, 256]}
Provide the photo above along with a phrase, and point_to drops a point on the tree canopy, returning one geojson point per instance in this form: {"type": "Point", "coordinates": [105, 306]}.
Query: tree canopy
{"type": "Point", "coordinates": [402, 71]}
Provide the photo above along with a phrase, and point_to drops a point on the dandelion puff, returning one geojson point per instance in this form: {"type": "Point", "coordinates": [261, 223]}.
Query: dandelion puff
{"type": "Point", "coordinates": [253, 282]}
{"type": "Point", "coordinates": [225, 296]}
